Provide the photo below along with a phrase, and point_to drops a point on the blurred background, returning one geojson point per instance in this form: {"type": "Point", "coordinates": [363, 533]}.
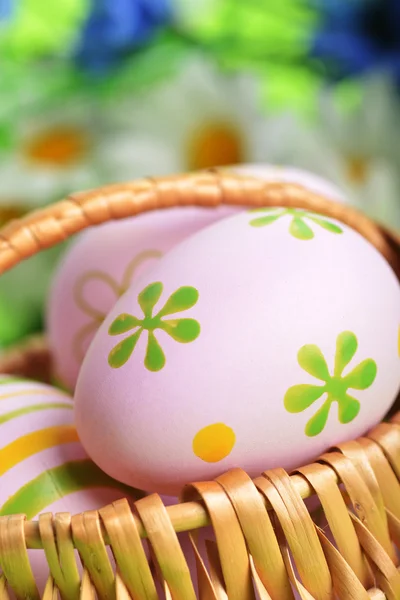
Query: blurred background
{"type": "Point", "coordinates": [99, 91]}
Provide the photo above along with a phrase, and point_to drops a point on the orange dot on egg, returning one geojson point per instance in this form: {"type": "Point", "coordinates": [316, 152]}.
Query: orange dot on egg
{"type": "Point", "coordinates": [214, 442]}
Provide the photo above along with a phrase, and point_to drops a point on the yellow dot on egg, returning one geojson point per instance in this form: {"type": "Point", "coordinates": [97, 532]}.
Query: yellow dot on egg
{"type": "Point", "coordinates": [214, 442]}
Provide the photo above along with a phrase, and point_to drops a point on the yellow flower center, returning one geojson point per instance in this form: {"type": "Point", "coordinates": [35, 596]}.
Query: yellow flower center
{"type": "Point", "coordinates": [58, 147]}
{"type": "Point", "coordinates": [214, 442]}
{"type": "Point", "coordinates": [357, 169]}
{"type": "Point", "coordinates": [213, 146]}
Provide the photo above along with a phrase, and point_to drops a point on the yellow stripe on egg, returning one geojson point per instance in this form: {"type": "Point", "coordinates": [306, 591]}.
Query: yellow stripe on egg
{"type": "Point", "coordinates": [35, 442]}
{"type": "Point", "coordinates": [39, 391]}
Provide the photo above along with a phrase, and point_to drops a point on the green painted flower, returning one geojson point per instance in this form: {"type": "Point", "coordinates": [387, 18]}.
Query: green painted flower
{"type": "Point", "coordinates": [335, 387]}
{"type": "Point", "coordinates": [299, 227]}
{"type": "Point", "coordinates": [181, 330]}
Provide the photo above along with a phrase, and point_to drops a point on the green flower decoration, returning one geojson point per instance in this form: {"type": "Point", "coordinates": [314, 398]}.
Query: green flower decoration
{"type": "Point", "coordinates": [311, 359]}
{"type": "Point", "coordinates": [299, 228]}
{"type": "Point", "coordinates": [181, 330]}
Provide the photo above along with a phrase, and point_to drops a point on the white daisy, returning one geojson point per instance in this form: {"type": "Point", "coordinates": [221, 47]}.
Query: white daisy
{"type": "Point", "coordinates": [200, 118]}
{"type": "Point", "coordinates": [359, 150]}
{"type": "Point", "coordinates": [53, 154]}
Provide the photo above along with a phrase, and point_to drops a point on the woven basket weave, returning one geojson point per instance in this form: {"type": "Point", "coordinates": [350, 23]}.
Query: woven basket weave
{"type": "Point", "coordinates": [264, 537]}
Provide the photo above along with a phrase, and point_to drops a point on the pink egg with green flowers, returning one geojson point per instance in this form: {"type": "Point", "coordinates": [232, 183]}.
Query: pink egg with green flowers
{"type": "Point", "coordinates": [259, 342]}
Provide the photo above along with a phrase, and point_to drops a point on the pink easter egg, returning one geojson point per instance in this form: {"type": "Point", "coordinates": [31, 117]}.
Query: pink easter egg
{"type": "Point", "coordinates": [258, 342]}
{"type": "Point", "coordinates": [43, 466]}
{"type": "Point", "coordinates": [101, 266]}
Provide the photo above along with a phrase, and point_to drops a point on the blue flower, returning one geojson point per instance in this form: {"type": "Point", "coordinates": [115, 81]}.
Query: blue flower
{"type": "Point", "coordinates": [115, 27]}
{"type": "Point", "coordinates": [358, 36]}
{"type": "Point", "coordinates": [6, 8]}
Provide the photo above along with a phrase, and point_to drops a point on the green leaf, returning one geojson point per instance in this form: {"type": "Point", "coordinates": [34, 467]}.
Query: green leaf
{"type": "Point", "coordinates": [41, 29]}
{"type": "Point", "coordinates": [262, 221]}
{"type": "Point", "coordinates": [328, 225]}
{"type": "Point", "coordinates": [317, 423]}
{"type": "Point", "coordinates": [300, 230]}
{"type": "Point", "coordinates": [300, 397]}
{"type": "Point", "coordinates": [122, 324]}
{"type": "Point", "coordinates": [312, 360]}
{"type": "Point", "coordinates": [149, 297]}
{"type": "Point", "coordinates": [182, 330]}
{"type": "Point", "coordinates": [122, 351]}
{"type": "Point", "coordinates": [184, 298]}
{"type": "Point", "coordinates": [155, 357]}
{"type": "Point", "coordinates": [346, 347]}
{"type": "Point", "coordinates": [348, 408]}
{"type": "Point", "coordinates": [363, 376]}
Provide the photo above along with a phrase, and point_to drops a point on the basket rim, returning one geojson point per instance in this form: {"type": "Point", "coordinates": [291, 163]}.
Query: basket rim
{"type": "Point", "coordinates": [45, 228]}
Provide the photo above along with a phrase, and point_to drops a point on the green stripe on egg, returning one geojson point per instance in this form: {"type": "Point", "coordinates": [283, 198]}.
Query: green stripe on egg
{"type": "Point", "coordinates": [31, 409]}
{"type": "Point", "coordinates": [56, 483]}
{"type": "Point", "coordinates": [4, 379]}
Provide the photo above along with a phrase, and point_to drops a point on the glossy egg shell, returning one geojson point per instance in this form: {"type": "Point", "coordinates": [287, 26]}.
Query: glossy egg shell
{"type": "Point", "coordinates": [43, 467]}
{"type": "Point", "coordinates": [100, 266]}
{"type": "Point", "coordinates": [259, 342]}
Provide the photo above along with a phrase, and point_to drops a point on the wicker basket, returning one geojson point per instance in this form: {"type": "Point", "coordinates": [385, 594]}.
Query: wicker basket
{"type": "Point", "coordinates": [265, 538]}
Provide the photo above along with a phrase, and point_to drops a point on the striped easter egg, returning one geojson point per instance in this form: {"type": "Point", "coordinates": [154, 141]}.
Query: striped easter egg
{"type": "Point", "coordinates": [43, 467]}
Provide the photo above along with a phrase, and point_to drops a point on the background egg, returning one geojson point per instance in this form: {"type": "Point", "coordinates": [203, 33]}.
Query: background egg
{"type": "Point", "coordinates": [258, 342]}
{"type": "Point", "coordinates": [100, 266]}
{"type": "Point", "coordinates": [288, 174]}
{"type": "Point", "coordinates": [43, 467]}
